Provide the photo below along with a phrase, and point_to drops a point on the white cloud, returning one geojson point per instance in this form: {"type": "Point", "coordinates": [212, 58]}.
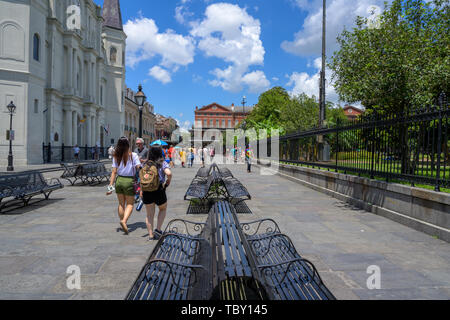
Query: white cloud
{"type": "Point", "coordinates": [182, 13]}
{"type": "Point", "coordinates": [256, 81]}
{"type": "Point", "coordinates": [229, 33]}
{"type": "Point", "coordinates": [160, 74]}
{"type": "Point", "coordinates": [144, 42]}
{"type": "Point", "coordinates": [340, 13]}
{"type": "Point", "coordinates": [184, 127]}
{"type": "Point", "coordinates": [309, 84]}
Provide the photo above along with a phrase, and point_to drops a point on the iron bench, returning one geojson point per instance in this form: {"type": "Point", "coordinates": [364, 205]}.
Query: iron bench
{"type": "Point", "coordinates": [199, 188]}
{"type": "Point", "coordinates": [233, 268]}
{"type": "Point", "coordinates": [92, 172]}
{"type": "Point", "coordinates": [288, 275]}
{"type": "Point", "coordinates": [70, 172]}
{"type": "Point", "coordinates": [170, 272]}
{"type": "Point", "coordinates": [25, 185]}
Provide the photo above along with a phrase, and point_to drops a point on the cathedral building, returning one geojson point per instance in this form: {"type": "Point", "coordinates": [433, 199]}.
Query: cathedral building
{"type": "Point", "coordinates": [62, 63]}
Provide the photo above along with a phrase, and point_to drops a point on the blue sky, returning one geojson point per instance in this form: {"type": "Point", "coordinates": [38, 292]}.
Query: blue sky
{"type": "Point", "coordinates": [190, 53]}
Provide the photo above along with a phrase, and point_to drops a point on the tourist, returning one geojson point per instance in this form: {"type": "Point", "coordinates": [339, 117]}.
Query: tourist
{"type": "Point", "coordinates": [171, 156]}
{"type": "Point", "coordinates": [111, 152]}
{"type": "Point", "coordinates": [124, 166]}
{"type": "Point", "coordinates": [248, 158]}
{"type": "Point", "coordinates": [159, 196]}
{"type": "Point", "coordinates": [76, 152]}
{"type": "Point", "coordinates": [191, 157]}
{"type": "Point", "coordinates": [202, 156]}
{"type": "Point", "coordinates": [182, 157]}
{"type": "Point", "coordinates": [141, 150]}
{"type": "Point", "coordinates": [212, 153]}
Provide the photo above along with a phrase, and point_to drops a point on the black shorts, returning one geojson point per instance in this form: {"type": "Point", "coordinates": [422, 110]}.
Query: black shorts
{"type": "Point", "coordinates": [159, 196]}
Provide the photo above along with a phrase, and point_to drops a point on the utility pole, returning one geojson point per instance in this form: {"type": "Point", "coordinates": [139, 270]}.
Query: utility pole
{"type": "Point", "coordinates": [324, 147]}
{"type": "Point", "coordinates": [322, 72]}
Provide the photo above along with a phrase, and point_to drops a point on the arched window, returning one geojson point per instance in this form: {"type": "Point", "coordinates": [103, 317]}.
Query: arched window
{"type": "Point", "coordinates": [113, 55]}
{"type": "Point", "coordinates": [36, 47]}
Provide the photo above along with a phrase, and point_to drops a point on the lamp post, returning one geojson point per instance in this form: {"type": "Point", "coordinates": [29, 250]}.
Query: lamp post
{"type": "Point", "coordinates": [140, 98]}
{"type": "Point", "coordinates": [11, 109]}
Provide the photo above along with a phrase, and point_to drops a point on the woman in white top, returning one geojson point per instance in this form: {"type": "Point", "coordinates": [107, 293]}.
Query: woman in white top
{"type": "Point", "coordinates": [125, 165]}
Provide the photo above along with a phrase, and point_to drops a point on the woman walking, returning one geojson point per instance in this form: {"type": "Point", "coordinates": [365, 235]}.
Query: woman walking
{"type": "Point", "coordinates": [158, 197]}
{"type": "Point", "coordinates": [124, 165]}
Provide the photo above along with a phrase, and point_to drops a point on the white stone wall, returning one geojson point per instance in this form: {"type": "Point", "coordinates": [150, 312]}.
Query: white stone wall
{"type": "Point", "coordinates": [54, 93]}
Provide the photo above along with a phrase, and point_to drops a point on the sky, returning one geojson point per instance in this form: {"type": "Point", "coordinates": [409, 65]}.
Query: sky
{"type": "Point", "coordinates": [189, 53]}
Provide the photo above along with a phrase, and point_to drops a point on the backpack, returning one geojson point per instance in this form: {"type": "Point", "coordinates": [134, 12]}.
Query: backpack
{"type": "Point", "coordinates": [149, 177]}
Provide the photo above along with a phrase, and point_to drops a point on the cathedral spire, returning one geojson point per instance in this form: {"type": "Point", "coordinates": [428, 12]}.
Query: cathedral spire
{"type": "Point", "coordinates": [112, 14]}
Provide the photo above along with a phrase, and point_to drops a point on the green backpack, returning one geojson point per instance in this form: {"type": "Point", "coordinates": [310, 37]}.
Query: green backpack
{"type": "Point", "coordinates": [149, 177]}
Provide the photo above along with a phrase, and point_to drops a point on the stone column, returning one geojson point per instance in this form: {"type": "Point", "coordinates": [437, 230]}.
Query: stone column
{"type": "Point", "coordinates": [93, 129]}
{"type": "Point", "coordinates": [75, 70]}
{"type": "Point", "coordinates": [88, 130]}
{"type": "Point", "coordinates": [68, 127]}
{"type": "Point", "coordinates": [70, 75]}
{"type": "Point", "coordinates": [74, 128]}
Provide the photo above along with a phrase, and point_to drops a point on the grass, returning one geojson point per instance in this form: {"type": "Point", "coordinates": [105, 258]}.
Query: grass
{"type": "Point", "coordinates": [424, 186]}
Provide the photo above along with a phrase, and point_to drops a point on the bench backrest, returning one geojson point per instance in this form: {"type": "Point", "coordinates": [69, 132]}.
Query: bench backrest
{"type": "Point", "coordinates": [23, 180]}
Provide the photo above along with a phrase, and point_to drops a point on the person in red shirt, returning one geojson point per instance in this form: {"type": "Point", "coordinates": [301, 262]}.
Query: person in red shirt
{"type": "Point", "coordinates": [171, 154]}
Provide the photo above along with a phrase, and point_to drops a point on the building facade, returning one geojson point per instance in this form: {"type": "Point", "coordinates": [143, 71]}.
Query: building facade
{"type": "Point", "coordinates": [132, 119]}
{"type": "Point", "coordinates": [352, 112]}
{"type": "Point", "coordinates": [62, 63]}
{"type": "Point", "coordinates": [216, 119]}
{"type": "Point", "coordinates": [165, 127]}
{"type": "Point", "coordinates": [216, 116]}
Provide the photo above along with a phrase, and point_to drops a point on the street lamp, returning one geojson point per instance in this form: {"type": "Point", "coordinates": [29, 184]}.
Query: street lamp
{"type": "Point", "coordinates": [11, 109]}
{"type": "Point", "coordinates": [140, 98]}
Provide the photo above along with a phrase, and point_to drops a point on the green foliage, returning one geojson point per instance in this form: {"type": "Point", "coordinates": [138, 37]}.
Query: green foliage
{"type": "Point", "coordinates": [403, 63]}
{"type": "Point", "coordinates": [268, 111]}
{"type": "Point", "coordinates": [300, 113]}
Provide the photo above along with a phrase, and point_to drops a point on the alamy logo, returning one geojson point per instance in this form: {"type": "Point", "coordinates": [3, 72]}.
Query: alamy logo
{"type": "Point", "coordinates": [374, 280]}
{"type": "Point", "coordinates": [74, 280]}
{"type": "Point", "coordinates": [73, 21]}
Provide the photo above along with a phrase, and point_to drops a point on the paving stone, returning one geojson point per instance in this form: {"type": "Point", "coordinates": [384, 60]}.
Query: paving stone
{"type": "Point", "coordinates": [80, 226]}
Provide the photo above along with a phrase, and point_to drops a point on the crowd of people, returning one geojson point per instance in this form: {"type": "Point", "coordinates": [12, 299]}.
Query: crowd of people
{"type": "Point", "coordinates": [144, 175]}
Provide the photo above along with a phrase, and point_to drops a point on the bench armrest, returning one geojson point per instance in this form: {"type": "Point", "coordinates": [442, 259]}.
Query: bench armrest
{"type": "Point", "coordinates": [267, 226]}
{"type": "Point", "coordinates": [166, 248]}
{"type": "Point", "coordinates": [53, 182]}
{"type": "Point", "coordinates": [181, 226]}
{"type": "Point", "coordinates": [273, 272]}
{"type": "Point", "coordinates": [175, 270]}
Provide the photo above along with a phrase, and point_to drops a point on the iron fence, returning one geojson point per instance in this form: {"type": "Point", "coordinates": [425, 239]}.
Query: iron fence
{"type": "Point", "coordinates": [412, 146]}
{"type": "Point", "coordinates": [62, 153]}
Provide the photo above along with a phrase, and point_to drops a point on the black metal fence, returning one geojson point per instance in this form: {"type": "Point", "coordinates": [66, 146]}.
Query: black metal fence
{"type": "Point", "coordinates": [56, 154]}
{"type": "Point", "coordinates": [412, 147]}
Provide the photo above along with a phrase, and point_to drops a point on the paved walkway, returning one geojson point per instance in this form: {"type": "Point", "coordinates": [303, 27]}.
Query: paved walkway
{"type": "Point", "coordinates": [78, 226]}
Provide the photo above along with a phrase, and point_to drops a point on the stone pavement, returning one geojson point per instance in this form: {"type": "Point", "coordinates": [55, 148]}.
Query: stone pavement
{"type": "Point", "coordinates": [79, 226]}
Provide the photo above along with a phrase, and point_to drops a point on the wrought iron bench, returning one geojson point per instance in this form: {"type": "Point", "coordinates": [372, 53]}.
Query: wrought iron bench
{"type": "Point", "coordinates": [199, 188]}
{"type": "Point", "coordinates": [93, 172]}
{"type": "Point", "coordinates": [70, 172]}
{"type": "Point", "coordinates": [288, 275]}
{"type": "Point", "coordinates": [25, 185]}
{"type": "Point", "coordinates": [170, 272]}
{"type": "Point", "coordinates": [234, 272]}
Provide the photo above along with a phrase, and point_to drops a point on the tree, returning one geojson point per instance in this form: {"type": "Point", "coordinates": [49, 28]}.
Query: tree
{"type": "Point", "coordinates": [270, 104]}
{"type": "Point", "coordinates": [300, 113]}
{"type": "Point", "coordinates": [402, 64]}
